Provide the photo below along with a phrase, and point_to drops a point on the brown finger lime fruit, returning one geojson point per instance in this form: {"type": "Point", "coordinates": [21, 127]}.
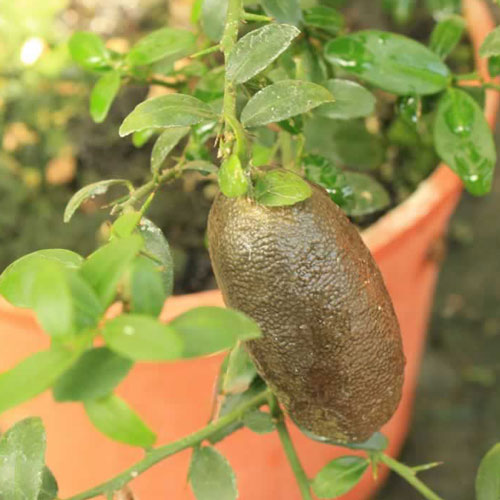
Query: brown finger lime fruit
{"type": "Point", "coordinates": [331, 346]}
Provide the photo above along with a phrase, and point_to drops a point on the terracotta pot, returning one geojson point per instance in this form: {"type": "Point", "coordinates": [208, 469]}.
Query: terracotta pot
{"type": "Point", "coordinates": [176, 398]}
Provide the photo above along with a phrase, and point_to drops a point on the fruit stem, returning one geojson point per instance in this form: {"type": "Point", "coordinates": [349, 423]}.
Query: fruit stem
{"type": "Point", "coordinates": [291, 454]}
{"type": "Point", "coordinates": [409, 475]}
{"type": "Point", "coordinates": [161, 453]}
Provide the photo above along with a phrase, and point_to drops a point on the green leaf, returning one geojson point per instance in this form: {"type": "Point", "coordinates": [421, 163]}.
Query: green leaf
{"type": "Point", "coordinates": [204, 167]}
{"type": "Point", "coordinates": [166, 111]}
{"type": "Point", "coordinates": [115, 419]}
{"type": "Point", "coordinates": [210, 86]}
{"type": "Point", "coordinates": [282, 100]}
{"type": "Point", "coordinates": [339, 476]}
{"type": "Point", "coordinates": [49, 488]}
{"type": "Point", "coordinates": [105, 267]}
{"type": "Point", "coordinates": [88, 50]}
{"type": "Point", "coordinates": [211, 476]}
{"type": "Point", "coordinates": [94, 375]}
{"type": "Point", "coordinates": [141, 137]}
{"type": "Point", "coordinates": [165, 42]}
{"type": "Point", "coordinates": [157, 245]}
{"type": "Point", "coordinates": [259, 48]}
{"type": "Point", "coordinates": [376, 442]}
{"type": "Point", "coordinates": [232, 179]}
{"type": "Point", "coordinates": [440, 8]}
{"type": "Point", "coordinates": [284, 11]}
{"type": "Point", "coordinates": [207, 330]}
{"type": "Point", "coordinates": [368, 196]}
{"type": "Point", "coordinates": [494, 66]}
{"type": "Point", "coordinates": [164, 145]}
{"type": "Point", "coordinates": [389, 61]}
{"type": "Point", "coordinates": [213, 18]}
{"type": "Point", "coordinates": [196, 11]}
{"type": "Point", "coordinates": [238, 372]}
{"type": "Point", "coordinates": [491, 45]}
{"type": "Point", "coordinates": [400, 10]}
{"type": "Point", "coordinates": [90, 191]}
{"type": "Point", "coordinates": [143, 338]}
{"type": "Point", "coordinates": [351, 101]}
{"type": "Point", "coordinates": [324, 18]}
{"type": "Point", "coordinates": [409, 109]}
{"type": "Point", "coordinates": [16, 282]}
{"type": "Point", "coordinates": [446, 34]}
{"type": "Point", "coordinates": [259, 422]}
{"type": "Point", "coordinates": [488, 475]}
{"type": "Point", "coordinates": [32, 376]}
{"type": "Point", "coordinates": [147, 288]}
{"type": "Point", "coordinates": [103, 94]}
{"type": "Point", "coordinates": [22, 460]}
{"type": "Point", "coordinates": [278, 188]}
{"type": "Point", "coordinates": [125, 224]}
{"type": "Point", "coordinates": [464, 140]}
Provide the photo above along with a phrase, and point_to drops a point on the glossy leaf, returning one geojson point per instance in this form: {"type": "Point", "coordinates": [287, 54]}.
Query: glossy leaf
{"type": "Point", "coordinates": [115, 419]}
{"type": "Point", "coordinates": [211, 476]}
{"type": "Point", "coordinates": [207, 330]}
{"type": "Point", "coordinates": [339, 476]}
{"type": "Point", "coordinates": [368, 196]}
{"type": "Point", "coordinates": [446, 35]}
{"type": "Point", "coordinates": [49, 487]}
{"type": "Point", "coordinates": [16, 281]}
{"type": "Point", "coordinates": [284, 11]}
{"type": "Point", "coordinates": [324, 18]}
{"type": "Point", "coordinates": [278, 188]}
{"type": "Point", "coordinates": [162, 43]}
{"type": "Point", "coordinates": [283, 100]}
{"type": "Point", "coordinates": [238, 372]}
{"type": "Point", "coordinates": [88, 50]}
{"type": "Point", "coordinates": [488, 475]}
{"type": "Point", "coordinates": [464, 141]}
{"type": "Point", "coordinates": [90, 191]}
{"type": "Point", "coordinates": [351, 101]}
{"type": "Point", "coordinates": [22, 460]}
{"type": "Point", "coordinates": [32, 376]}
{"type": "Point", "coordinates": [259, 48]}
{"type": "Point", "coordinates": [94, 375]}
{"type": "Point", "coordinates": [164, 144]}
{"type": "Point", "coordinates": [143, 338]}
{"type": "Point", "coordinates": [213, 17]}
{"type": "Point", "coordinates": [105, 267]}
{"type": "Point", "coordinates": [259, 422]}
{"type": "Point", "coordinates": [166, 111]}
{"type": "Point", "coordinates": [103, 94]}
{"type": "Point", "coordinates": [232, 179]}
{"type": "Point", "coordinates": [389, 61]}
{"type": "Point", "coordinates": [491, 45]}
{"type": "Point", "coordinates": [147, 290]}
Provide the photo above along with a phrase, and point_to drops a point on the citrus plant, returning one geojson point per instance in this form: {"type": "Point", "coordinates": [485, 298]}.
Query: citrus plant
{"type": "Point", "coordinates": [267, 100]}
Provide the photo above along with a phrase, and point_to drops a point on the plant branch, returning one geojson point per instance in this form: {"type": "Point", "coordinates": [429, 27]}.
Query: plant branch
{"type": "Point", "coordinates": [158, 454]}
{"type": "Point", "coordinates": [249, 16]}
{"type": "Point", "coordinates": [409, 475]}
{"type": "Point", "coordinates": [206, 51]}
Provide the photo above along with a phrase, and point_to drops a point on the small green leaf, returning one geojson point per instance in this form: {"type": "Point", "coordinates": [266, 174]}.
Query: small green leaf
{"type": "Point", "coordinates": [283, 100]}
{"type": "Point", "coordinates": [232, 179]}
{"type": "Point", "coordinates": [213, 18]}
{"type": "Point", "coordinates": [277, 188]}
{"type": "Point", "coordinates": [22, 460]}
{"type": "Point", "coordinates": [259, 422]}
{"type": "Point", "coordinates": [446, 34]}
{"type": "Point", "coordinates": [494, 66]}
{"type": "Point", "coordinates": [49, 487]}
{"type": "Point", "coordinates": [324, 18]}
{"type": "Point", "coordinates": [115, 419]}
{"type": "Point", "coordinates": [351, 101]}
{"type": "Point", "coordinates": [488, 475]}
{"type": "Point", "coordinates": [284, 11]}
{"type": "Point", "coordinates": [409, 109]}
{"type": "Point", "coordinates": [259, 48]}
{"type": "Point", "coordinates": [32, 376]}
{"type": "Point", "coordinates": [103, 94]}
{"type": "Point", "coordinates": [165, 42]}
{"type": "Point", "coordinates": [143, 338]}
{"type": "Point", "coordinates": [166, 111]}
{"type": "Point", "coordinates": [16, 282]}
{"type": "Point", "coordinates": [339, 476]}
{"type": "Point", "coordinates": [211, 476]}
{"type": "Point", "coordinates": [368, 196]}
{"type": "Point", "coordinates": [105, 267]}
{"type": "Point", "coordinates": [141, 137]}
{"type": "Point", "coordinates": [239, 371]}
{"type": "Point", "coordinates": [88, 50]}
{"type": "Point", "coordinates": [389, 61]}
{"type": "Point", "coordinates": [464, 140]}
{"type": "Point", "coordinates": [207, 330]}
{"type": "Point", "coordinates": [491, 45]}
{"type": "Point", "coordinates": [147, 288]}
{"type": "Point", "coordinates": [125, 224]}
{"type": "Point", "coordinates": [95, 375]}
{"type": "Point", "coordinates": [164, 144]}
{"type": "Point", "coordinates": [90, 191]}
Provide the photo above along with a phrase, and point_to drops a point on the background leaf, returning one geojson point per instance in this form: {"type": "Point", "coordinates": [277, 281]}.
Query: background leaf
{"type": "Point", "coordinates": [238, 372]}
{"type": "Point", "coordinates": [213, 17]}
{"type": "Point", "coordinates": [488, 475]}
{"type": "Point", "coordinates": [324, 18]}
{"type": "Point", "coordinates": [446, 34]}
{"type": "Point", "coordinates": [259, 422]}
{"type": "Point", "coordinates": [88, 50]}
{"type": "Point", "coordinates": [368, 195]}
{"type": "Point", "coordinates": [103, 94]}
{"type": "Point", "coordinates": [147, 289]}
{"type": "Point", "coordinates": [284, 11]}
{"type": "Point", "coordinates": [278, 188]}
{"type": "Point", "coordinates": [491, 45]}
{"type": "Point", "coordinates": [164, 144]}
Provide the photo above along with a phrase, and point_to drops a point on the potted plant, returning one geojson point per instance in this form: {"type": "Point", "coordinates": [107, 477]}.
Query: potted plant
{"type": "Point", "coordinates": [275, 96]}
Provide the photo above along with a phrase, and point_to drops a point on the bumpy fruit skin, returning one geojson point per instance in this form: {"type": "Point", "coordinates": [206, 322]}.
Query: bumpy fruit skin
{"type": "Point", "coordinates": [331, 348]}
